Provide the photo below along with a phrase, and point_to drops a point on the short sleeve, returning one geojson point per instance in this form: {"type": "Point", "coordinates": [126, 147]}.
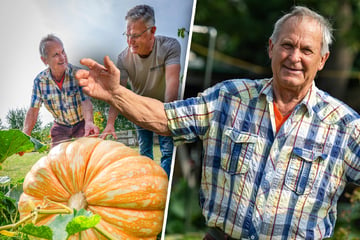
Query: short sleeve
{"type": "Point", "coordinates": [36, 99]}
{"type": "Point", "coordinates": [174, 52]}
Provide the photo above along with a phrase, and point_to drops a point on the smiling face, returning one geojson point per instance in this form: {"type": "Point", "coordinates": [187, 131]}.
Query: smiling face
{"type": "Point", "coordinates": [56, 58]}
{"type": "Point", "coordinates": [296, 55]}
{"type": "Point", "coordinates": [140, 38]}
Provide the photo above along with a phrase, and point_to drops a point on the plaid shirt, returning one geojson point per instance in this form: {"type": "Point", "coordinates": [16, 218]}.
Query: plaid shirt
{"type": "Point", "coordinates": [257, 183]}
{"type": "Point", "coordinates": [64, 104]}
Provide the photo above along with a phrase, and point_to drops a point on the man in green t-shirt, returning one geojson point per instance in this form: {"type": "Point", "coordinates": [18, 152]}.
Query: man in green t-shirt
{"type": "Point", "coordinates": [151, 64]}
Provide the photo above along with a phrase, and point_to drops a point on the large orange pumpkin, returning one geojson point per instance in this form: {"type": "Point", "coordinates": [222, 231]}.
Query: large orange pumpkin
{"type": "Point", "coordinates": [105, 177]}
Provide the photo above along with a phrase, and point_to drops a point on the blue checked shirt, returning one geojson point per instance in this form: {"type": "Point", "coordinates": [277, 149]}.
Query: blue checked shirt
{"type": "Point", "coordinates": [259, 184]}
{"type": "Point", "coordinates": [64, 104]}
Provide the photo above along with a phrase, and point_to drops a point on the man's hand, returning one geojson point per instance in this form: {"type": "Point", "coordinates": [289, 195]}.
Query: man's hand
{"type": "Point", "coordinates": [99, 81]}
{"type": "Point", "coordinates": [91, 129]}
{"type": "Point", "coordinates": [109, 130]}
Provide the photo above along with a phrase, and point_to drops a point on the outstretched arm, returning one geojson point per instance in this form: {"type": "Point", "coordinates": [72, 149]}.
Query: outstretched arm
{"type": "Point", "coordinates": [102, 82]}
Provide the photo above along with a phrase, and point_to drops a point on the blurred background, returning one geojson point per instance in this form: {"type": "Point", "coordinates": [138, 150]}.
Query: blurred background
{"type": "Point", "coordinates": [229, 40]}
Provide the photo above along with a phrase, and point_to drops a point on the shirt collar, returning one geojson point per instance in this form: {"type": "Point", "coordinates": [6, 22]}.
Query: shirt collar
{"type": "Point", "coordinates": [309, 100]}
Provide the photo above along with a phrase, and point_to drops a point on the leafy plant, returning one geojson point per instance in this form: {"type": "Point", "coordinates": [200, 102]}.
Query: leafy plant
{"type": "Point", "coordinates": [67, 223]}
{"type": "Point", "coordinates": [15, 141]}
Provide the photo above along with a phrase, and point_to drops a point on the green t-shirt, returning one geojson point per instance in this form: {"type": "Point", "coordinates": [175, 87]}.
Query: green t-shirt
{"type": "Point", "coordinates": [147, 75]}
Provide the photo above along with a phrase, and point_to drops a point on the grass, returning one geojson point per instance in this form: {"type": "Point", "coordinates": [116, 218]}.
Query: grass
{"type": "Point", "coordinates": [17, 166]}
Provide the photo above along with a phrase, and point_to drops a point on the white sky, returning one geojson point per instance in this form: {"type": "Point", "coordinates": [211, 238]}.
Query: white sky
{"type": "Point", "coordinates": [88, 28]}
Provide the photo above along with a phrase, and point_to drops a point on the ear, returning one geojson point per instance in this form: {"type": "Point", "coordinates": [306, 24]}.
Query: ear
{"type": "Point", "coordinates": [323, 61]}
{"type": "Point", "coordinates": [153, 29]}
{"type": "Point", "coordinates": [270, 48]}
{"type": "Point", "coordinates": [44, 60]}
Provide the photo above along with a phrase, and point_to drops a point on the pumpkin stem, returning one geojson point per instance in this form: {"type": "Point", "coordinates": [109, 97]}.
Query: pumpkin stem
{"type": "Point", "coordinates": [78, 201]}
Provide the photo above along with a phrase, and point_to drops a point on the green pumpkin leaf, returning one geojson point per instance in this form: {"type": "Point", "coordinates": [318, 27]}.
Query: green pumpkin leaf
{"type": "Point", "coordinates": [37, 231]}
{"type": "Point", "coordinates": [38, 146]}
{"type": "Point", "coordinates": [15, 141]}
{"type": "Point", "coordinates": [58, 226]}
{"type": "Point", "coordinates": [82, 223]}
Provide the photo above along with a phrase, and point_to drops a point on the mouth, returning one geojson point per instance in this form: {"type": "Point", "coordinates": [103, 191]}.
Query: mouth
{"type": "Point", "coordinates": [293, 70]}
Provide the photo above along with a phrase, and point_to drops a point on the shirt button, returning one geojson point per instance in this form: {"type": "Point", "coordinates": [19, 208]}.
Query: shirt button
{"type": "Point", "coordinates": [252, 237]}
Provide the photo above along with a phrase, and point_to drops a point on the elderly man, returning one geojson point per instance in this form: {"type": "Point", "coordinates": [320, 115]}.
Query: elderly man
{"type": "Point", "coordinates": [58, 89]}
{"type": "Point", "coordinates": [278, 152]}
{"type": "Point", "coordinates": [152, 66]}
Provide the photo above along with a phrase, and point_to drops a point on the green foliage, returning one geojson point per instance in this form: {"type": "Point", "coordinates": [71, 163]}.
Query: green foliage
{"type": "Point", "coordinates": [16, 118]}
{"type": "Point", "coordinates": [43, 134]}
{"type": "Point", "coordinates": [62, 227]}
{"type": "Point", "coordinates": [1, 125]}
{"type": "Point", "coordinates": [184, 214]}
{"type": "Point", "coordinates": [101, 110]}
{"type": "Point", "coordinates": [37, 231]}
{"type": "Point", "coordinates": [15, 141]}
{"type": "Point", "coordinates": [348, 217]}
{"type": "Point", "coordinates": [8, 203]}
{"type": "Point", "coordinates": [181, 32]}
{"type": "Point", "coordinates": [83, 220]}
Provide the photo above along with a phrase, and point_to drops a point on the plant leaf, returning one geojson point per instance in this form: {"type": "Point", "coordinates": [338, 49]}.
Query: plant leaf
{"type": "Point", "coordinates": [38, 146]}
{"type": "Point", "coordinates": [82, 223]}
{"type": "Point", "coordinates": [14, 141]}
{"type": "Point", "coordinates": [58, 226]}
{"type": "Point", "coordinates": [37, 231]}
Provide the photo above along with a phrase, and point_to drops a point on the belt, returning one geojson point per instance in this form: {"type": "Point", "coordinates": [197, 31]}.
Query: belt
{"type": "Point", "coordinates": [69, 126]}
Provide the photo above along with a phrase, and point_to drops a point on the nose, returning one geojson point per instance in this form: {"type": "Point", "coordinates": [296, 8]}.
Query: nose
{"type": "Point", "coordinates": [131, 39]}
{"type": "Point", "coordinates": [295, 55]}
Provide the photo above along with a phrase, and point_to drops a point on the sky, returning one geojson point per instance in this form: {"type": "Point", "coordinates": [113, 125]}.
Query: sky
{"type": "Point", "coordinates": [88, 28]}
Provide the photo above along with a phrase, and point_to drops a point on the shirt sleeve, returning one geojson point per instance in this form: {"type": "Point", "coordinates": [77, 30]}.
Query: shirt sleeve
{"type": "Point", "coordinates": [174, 52]}
{"type": "Point", "coordinates": [190, 119]}
{"type": "Point", "coordinates": [120, 65]}
{"type": "Point", "coordinates": [352, 156]}
{"type": "Point", "coordinates": [36, 99]}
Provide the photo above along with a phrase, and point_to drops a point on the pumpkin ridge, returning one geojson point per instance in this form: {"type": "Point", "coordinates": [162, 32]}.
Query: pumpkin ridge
{"type": "Point", "coordinates": [87, 166]}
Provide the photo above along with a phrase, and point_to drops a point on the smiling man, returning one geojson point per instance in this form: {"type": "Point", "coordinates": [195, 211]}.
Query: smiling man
{"type": "Point", "coordinates": [151, 64]}
{"type": "Point", "coordinates": [278, 152]}
{"type": "Point", "coordinates": [57, 89]}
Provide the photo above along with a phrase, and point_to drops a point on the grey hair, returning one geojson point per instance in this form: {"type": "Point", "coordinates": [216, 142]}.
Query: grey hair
{"type": "Point", "coordinates": [45, 40]}
{"type": "Point", "coordinates": [143, 12]}
{"type": "Point", "coordinates": [299, 12]}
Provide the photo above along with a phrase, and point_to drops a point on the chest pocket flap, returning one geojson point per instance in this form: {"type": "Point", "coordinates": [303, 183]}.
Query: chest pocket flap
{"type": "Point", "coordinates": [237, 150]}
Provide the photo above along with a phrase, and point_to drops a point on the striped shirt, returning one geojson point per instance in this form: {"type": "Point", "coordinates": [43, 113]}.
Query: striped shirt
{"type": "Point", "coordinates": [259, 184]}
{"type": "Point", "coordinates": [64, 104]}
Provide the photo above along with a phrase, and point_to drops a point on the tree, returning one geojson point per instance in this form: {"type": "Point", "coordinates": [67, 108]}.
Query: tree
{"type": "Point", "coordinates": [1, 125]}
{"type": "Point", "coordinates": [101, 110]}
{"type": "Point", "coordinates": [16, 117]}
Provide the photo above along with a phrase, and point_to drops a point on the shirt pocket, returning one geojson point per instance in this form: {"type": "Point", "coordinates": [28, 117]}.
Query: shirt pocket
{"type": "Point", "coordinates": [303, 168]}
{"type": "Point", "coordinates": [51, 101]}
{"type": "Point", "coordinates": [237, 150]}
{"type": "Point", "coordinates": [72, 99]}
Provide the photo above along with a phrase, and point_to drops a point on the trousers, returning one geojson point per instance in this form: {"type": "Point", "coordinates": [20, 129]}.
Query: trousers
{"type": "Point", "coordinates": [145, 139]}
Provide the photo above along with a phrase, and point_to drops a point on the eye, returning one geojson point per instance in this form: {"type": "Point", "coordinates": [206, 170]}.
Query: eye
{"type": "Point", "coordinates": [287, 45]}
{"type": "Point", "coordinates": [307, 51]}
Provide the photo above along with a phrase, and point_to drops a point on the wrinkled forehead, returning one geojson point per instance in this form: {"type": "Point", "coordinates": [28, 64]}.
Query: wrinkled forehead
{"type": "Point", "coordinates": [135, 24]}
{"type": "Point", "coordinates": [303, 26]}
{"type": "Point", "coordinates": [295, 21]}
